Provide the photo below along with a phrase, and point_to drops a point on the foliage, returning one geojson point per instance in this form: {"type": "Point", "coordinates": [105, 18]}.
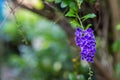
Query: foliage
{"type": "Point", "coordinates": [116, 46]}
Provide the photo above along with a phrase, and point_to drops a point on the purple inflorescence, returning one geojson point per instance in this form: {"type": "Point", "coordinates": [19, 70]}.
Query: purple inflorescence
{"type": "Point", "coordinates": [85, 39]}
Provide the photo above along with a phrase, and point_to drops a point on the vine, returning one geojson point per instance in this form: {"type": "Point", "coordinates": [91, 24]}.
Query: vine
{"type": "Point", "coordinates": [19, 26]}
{"type": "Point", "coordinates": [90, 73]}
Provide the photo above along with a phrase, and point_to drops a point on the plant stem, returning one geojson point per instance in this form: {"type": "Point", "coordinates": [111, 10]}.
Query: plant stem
{"type": "Point", "coordinates": [80, 21]}
{"type": "Point", "coordinates": [90, 73]}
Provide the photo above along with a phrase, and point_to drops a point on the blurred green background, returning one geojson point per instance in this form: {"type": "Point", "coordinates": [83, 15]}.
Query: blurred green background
{"type": "Point", "coordinates": [34, 48]}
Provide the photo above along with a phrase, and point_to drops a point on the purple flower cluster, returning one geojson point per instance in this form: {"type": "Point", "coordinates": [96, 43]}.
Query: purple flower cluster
{"type": "Point", "coordinates": [85, 39]}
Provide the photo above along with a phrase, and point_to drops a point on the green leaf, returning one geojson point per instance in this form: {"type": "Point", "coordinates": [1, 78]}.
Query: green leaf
{"type": "Point", "coordinates": [75, 23]}
{"type": "Point", "coordinates": [116, 46]}
{"type": "Point", "coordinates": [71, 13]}
{"type": "Point", "coordinates": [92, 15]}
{"type": "Point", "coordinates": [72, 76]}
{"type": "Point", "coordinates": [118, 27]}
{"type": "Point", "coordinates": [88, 26]}
{"type": "Point", "coordinates": [63, 5]}
{"type": "Point", "coordinates": [73, 6]}
{"type": "Point", "coordinates": [79, 2]}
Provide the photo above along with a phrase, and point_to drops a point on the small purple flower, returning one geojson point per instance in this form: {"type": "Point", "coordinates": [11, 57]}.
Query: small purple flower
{"type": "Point", "coordinates": [85, 39]}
